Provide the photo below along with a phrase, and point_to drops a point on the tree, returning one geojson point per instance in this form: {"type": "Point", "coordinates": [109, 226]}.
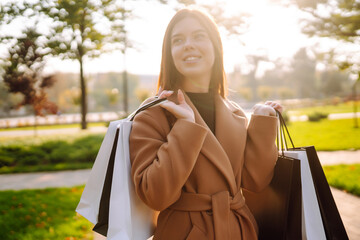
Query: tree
{"type": "Point", "coordinates": [303, 74]}
{"type": "Point", "coordinates": [81, 20]}
{"type": "Point", "coordinates": [8, 101]}
{"type": "Point", "coordinates": [80, 30]}
{"type": "Point", "coordinates": [339, 20]}
{"type": "Point", "coordinates": [22, 73]}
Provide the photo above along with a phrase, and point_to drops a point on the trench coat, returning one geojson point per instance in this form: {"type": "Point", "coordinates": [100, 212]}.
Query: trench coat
{"type": "Point", "coordinates": [195, 178]}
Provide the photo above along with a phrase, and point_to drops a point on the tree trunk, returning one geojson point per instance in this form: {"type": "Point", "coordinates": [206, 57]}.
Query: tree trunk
{"type": "Point", "coordinates": [83, 95]}
{"type": "Point", "coordinates": [356, 124]}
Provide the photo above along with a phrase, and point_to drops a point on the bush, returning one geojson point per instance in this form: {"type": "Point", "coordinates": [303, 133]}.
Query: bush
{"type": "Point", "coordinates": [31, 156]}
{"type": "Point", "coordinates": [61, 153]}
{"type": "Point", "coordinates": [317, 116]}
{"type": "Point", "coordinates": [10, 154]}
{"type": "Point", "coordinates": [50, 146]}
{"type": "Point", "coordinates": [5, 160]}
{"type": "Point", "coordinates": [79, 151]}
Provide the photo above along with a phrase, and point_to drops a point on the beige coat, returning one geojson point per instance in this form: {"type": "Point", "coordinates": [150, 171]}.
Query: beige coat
{"type": "Point", "coordinates": [194, 178]}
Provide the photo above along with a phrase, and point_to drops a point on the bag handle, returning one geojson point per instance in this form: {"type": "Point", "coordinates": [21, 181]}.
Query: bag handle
{"type": "Point", "coordinates": [282, 134]}
{"type": "Point", "coordinates": [146, 106]}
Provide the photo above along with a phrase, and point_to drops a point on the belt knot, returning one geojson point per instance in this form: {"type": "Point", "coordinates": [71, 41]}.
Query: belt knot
{"type": "Point", "coordinates": [220, 204]}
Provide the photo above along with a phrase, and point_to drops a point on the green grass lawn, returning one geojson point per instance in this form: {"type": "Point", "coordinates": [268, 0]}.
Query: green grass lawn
{"type": "Point", "coordinates": [326, 135]}
{"type": "Point", "coordinates": [340, 108]}
{"type": "Point", "coordinates": [42, 214]}
{"type": "Point", "coordinates": [345, 177]}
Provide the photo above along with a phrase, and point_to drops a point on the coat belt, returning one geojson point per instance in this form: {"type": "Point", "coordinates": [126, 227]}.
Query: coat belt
{"type": "Point", "coordinates": [220, 203]}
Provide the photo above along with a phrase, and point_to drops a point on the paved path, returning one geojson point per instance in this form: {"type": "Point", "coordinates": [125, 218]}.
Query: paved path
{"type": "Point", "coordinates": [348, 204]}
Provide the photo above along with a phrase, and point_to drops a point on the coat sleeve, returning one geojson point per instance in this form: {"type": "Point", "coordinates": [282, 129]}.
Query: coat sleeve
{"type": "Point", "coordinates": [260, 153]}
{"type": "Point", "coordinates": [162, 158]}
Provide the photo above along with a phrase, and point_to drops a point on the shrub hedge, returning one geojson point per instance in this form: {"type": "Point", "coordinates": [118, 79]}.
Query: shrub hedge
{"type": "Point", "coordinates": [80, 150]}
{"type": "Point", "coordinates": [317, 116]}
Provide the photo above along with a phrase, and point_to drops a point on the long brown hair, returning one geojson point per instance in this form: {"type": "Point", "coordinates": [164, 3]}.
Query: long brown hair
{"type": "Point", "coordinates": [170, 77]}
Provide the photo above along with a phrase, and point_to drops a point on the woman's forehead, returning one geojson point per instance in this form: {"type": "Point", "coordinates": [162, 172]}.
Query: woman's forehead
{"type": "Point", "coordinates": [187, 25]}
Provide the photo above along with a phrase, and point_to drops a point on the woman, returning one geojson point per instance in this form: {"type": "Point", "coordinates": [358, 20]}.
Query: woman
{"type": "Point", "coordinates": [192, 155]}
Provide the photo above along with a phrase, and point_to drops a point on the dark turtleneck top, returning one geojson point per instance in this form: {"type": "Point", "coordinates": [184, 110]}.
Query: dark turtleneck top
{"type": "Point", "coordinates": [205, 104]}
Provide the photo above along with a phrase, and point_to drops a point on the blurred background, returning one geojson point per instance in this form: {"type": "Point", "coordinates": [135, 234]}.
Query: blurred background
{"type": "Point", "coordinates": [68, 68]}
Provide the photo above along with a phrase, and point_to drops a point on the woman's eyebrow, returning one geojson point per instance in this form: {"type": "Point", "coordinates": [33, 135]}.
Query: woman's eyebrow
{"type": "Point", "coordinates": [193, 32]}
{"type": "Point", "coordinates": [176, 35]}
{"type": "Point", "coordinates": [199, 30]}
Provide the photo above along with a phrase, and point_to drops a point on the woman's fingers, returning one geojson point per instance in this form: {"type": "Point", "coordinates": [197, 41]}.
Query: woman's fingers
{"type": "Point", "coordinates": [264, 109]}
{"type": "Point", "coordinates": [165, 94]}
{"type": "Point", "coordinates": [181, 97]}
{"type": "Point", "coordinates": [275, 105]}
{"type": "Point", "coordinates": [159, 91]}
{"type": "Point", "coordinates": [181, 110]}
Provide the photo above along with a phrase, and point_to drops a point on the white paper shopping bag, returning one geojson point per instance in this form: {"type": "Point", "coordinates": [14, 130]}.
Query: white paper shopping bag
{"type": "Point", "coordinates": [312, 224]}
{"type": "Point", "coordinates": [89, 203]}
{"type": "Point", "coordinates": [129, 217]}
{"type": "Point", "coordinates": [110, 188]}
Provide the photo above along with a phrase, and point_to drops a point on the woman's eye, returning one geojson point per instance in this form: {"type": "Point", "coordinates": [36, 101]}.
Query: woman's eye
{"type": "Point", "coordinates": [200, 36]}
{"type": "Point", "coordinates": [176, 40]}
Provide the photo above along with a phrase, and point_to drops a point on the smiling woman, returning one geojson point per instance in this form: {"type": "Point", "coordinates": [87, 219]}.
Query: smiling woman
{"type": "Point", "coordinates": [192, 154]}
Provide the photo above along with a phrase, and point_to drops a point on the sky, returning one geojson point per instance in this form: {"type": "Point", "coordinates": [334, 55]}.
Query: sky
{"type": "Point", "coordinates": [274, 31]}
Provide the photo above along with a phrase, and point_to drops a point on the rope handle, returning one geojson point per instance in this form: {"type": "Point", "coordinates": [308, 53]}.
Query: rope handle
{"type": "Point", "coordinates": [282, 134]}
{"type": "Point", "coordinates": [146, 106]}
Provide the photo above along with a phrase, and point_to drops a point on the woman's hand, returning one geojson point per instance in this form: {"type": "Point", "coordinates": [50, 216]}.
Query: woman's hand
{"type": "Point", "coordinates": [181, 110]}
{"type": "Point", "coordinates": [267, 109]}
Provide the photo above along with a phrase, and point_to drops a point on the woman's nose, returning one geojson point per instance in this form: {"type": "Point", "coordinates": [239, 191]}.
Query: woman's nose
{"type": "Point", "coordinates": [188, 43]}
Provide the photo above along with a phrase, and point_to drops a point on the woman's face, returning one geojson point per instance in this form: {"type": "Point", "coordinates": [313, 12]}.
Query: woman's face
{"type": "Point", "coordinates": [191, 49]}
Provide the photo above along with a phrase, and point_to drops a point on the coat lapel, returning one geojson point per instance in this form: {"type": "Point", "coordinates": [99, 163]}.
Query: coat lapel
{"type": "Point", "coordinates": [213, 148]}
{"type": "Point", "coordinates": [230, 131]}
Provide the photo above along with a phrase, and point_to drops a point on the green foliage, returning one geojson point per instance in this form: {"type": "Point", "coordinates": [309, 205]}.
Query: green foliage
{"type": "Point", "coordinates": [77, 29]}
{"type": "Point", "coordinates": [42, 214]}
{"type": "Point", "coordinates": [345, 177]}
{"type": "Point", "coordinates": [338, 20]}
{"type": "Point", "coordinates": [23, 71]}
{"type": "Point", "coordinates": [50, 154]}
{"type": "Point", "coordinates": [317, 116]}
{"type": "Point", "coordinates": [341, 22]}
{"type": "Point", "coordinates": [326, 135]}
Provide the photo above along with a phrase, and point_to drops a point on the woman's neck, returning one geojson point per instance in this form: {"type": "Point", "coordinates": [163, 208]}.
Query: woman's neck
{"type": "Point", "coordinates": [196, 84]}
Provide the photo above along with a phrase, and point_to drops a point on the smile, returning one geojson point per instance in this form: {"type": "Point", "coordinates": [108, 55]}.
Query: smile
{"type": "Point", "coordinates": [191, 58]}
